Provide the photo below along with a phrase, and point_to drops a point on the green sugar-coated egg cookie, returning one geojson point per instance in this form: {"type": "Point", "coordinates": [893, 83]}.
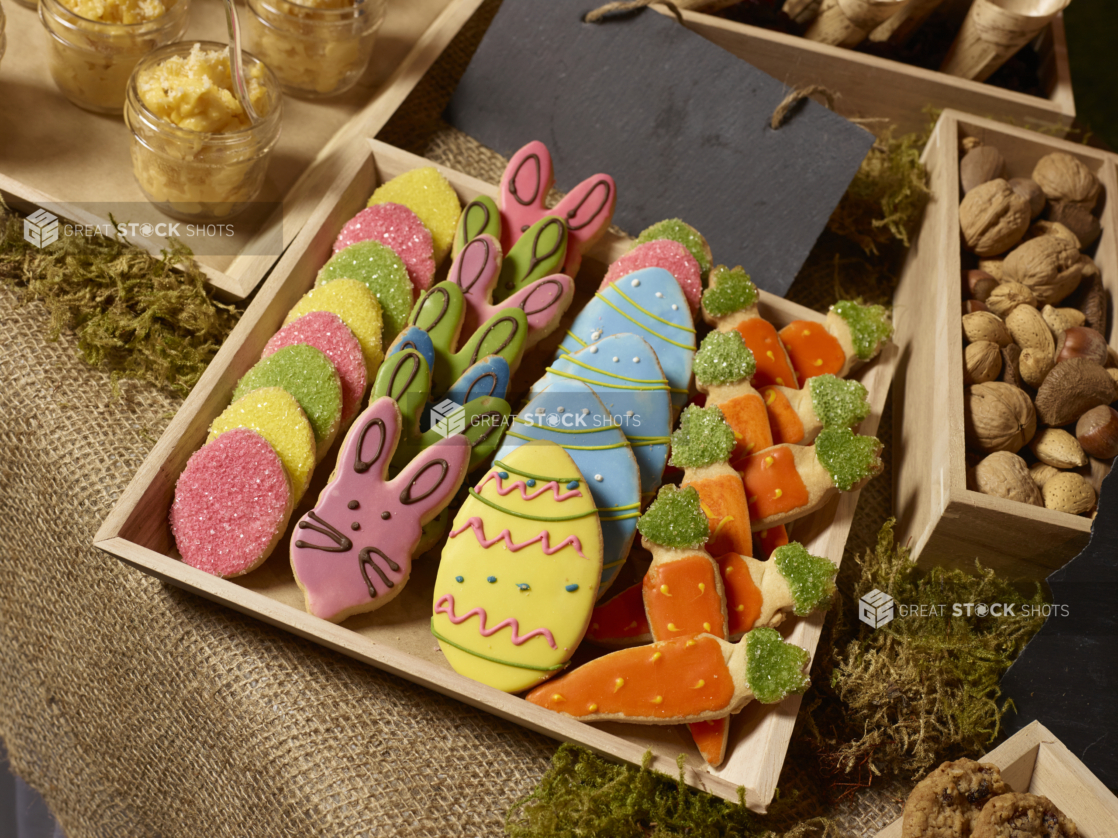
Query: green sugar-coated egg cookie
{"type": "Point", "coordinates": [430, 196]}
{"type": "Point", "coordinates": [382, 272]}
{"type": "Point", "coordinates": [308, 375]}
{"type": "Point", "coordinates": [686, 235]}
{"type": "Point", "coordinates": [355, 304]}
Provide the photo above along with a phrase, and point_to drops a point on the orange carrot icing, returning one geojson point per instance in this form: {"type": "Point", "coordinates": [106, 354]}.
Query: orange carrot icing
{"type": "Point", "coordinates": [722, 498]}
{"type": "Point", "coordinates": [711, 738]}
{"type": "Point", "coordinates": [812, 349]}
{"type": "Point", "coordinates": [673, 679]}
{"type": "Point", "coordinates": [743, 597]}
{"type": "Point", "coordinates": [681, 598]}
{"type": "Point", "coordinates": [784, 422]}
{"type": "Point", "coordinates": [620, 617]}
{"type": "Point", "coordinates": [747, 416]}
{"type": "Point", "coordinates": [772, 484]}
{"type": "Point", "coordinates": [765, 541]}
{"type": "Point", "coordinates": [772, 361]}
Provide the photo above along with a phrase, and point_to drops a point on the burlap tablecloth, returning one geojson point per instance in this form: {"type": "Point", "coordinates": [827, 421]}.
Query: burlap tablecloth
{"type": "Point", "coordinates": [140, 710]}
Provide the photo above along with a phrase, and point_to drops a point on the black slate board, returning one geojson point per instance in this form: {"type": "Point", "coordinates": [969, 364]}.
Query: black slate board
{"type": "Point", "coordinates": [680, 124]}
{"type": "Point", "coordinates": [1067, 676]}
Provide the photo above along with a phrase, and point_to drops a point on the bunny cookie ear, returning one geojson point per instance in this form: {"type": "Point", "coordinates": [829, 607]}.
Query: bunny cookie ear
{"type": "Point", "coordinates": [429, 481]}
{"type": "Point", "coordinates": [369, 445]}
{"type": "Point", "coordinates": [415, 338]}
{"type": "Point", "coordinates": [541, 251]}
{"type": "Point", "coordinates": [479, 217]}
{"type": "Point", "coordinates": [588, 211]}
{"type": "Point", "coordinates": [503, 334]}
{"type": "Point", "coordinates": [524, 186]}
{"type": "Point", "coordinates": [488, 377]}
{"type": "Point", "coordinates": [475, 270]}
{"type": "Point", "coordinates": [405, 378]}
{"type": "Point", "coordinates": [439, 313]}
{"type": "Point", "coordinates": [544, 303]}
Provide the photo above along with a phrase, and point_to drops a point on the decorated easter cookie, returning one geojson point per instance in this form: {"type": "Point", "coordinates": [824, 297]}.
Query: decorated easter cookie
{"type": "Point", "coordinates": [400, 229]}
{"type": "Point", "coordinates": [587, 209]}
{"type": "Point", "coordinates": [571, 415]}
{"type": "Point", "coordinates": [275, 415]}
{"type": "Point", "coordinates": [479, 415]}
{"type": "Point", "coordinates": [480, 217]}
{"type": "Point", "coordinates": [620, 621]}
{"type": "Point", "coordinates": [383, 273]}
{"type": "Point", "coordinates": [624, 373]}
{"type": "Point", "coordinates": [662, 253]}
{"type": "Point", "coordinates": [352, 552]}
{"type": "Point", "coordinates": [476, 270]}
{"type": "Point", "coordinates": [356, 306]}
{"type": "Point", "coordinates": [852, 334]}
{"type": "Point", "coordinates": [690, 679]}
{"type": "Point", "coordinates": [650, 304]}
{"type": "Point", "coordinates": [519, 572]}
{"type": "Point", "coordinates": [797, 416]}
{"type": "Point", "coordinates": [540, 252]}
{"type": "Point", "coordinates": [231, 506]}
{"type": "Point", "coordinates": [329, 335]}
{"type": "Point", "coordinates": [307, 374]}
{"type": "Point", "coordinates": [431, 197]}
{"type": "Point", "coordinates": [723, 367]}
{"type": "Point", "coordinates": [678, 231]}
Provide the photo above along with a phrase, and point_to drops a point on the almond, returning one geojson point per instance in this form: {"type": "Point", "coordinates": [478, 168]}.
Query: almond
{"type": "Point", "coordinates": [1069, 492]}
{"type": "Point", "coordinates": [1029, 330]}
{"type": "Point", "coordinates": [1062, 319]}
{"type": "Point", "coordinates": [984, 325]}
{"type": "Point", "coordinates": [1041, 473]}
{"type": "Point", "coordinates": [1034, 365]}
{"type": "Point", "coordinates": [1057, 448]}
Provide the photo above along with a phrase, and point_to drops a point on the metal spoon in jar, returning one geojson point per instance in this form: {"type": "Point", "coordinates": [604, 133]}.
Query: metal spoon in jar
{"type": "Point", "coordinates": [240, 86]}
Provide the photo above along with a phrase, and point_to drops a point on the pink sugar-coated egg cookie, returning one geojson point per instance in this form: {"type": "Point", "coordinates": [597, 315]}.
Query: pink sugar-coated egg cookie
{"type": "Point", "coordinates": [327, 333]}
{"type": "Point", "coordinates": [398, 227]}
{"type": "Point", "coordinates": [662, 253]}
{"type": "Point", "coordinates": [232, 503]}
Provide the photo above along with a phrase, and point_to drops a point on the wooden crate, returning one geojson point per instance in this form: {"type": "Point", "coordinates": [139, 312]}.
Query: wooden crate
{"type": "Point", "coordinates": [1033, 760]}
{"type": "Point", "coordinates": [42, 165]}
{"type": "Point", "coordinates": [397, 638]}
{"type": "Point", "coordinates": [869, 86]}
{"type": "Point", "coordinates": [947, 523]}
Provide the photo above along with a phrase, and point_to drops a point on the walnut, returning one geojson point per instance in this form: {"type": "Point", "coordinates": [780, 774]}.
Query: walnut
{"type": "Point", "coordinates": [993, 218]}
{"type": "Point", "coordinates": [1008, 296]}
{"type": "Point", "coordinates": [1005, 475]}
{"type": "Point", "coordinates": [1066, 178]}
{"type": "Point", "coordinates": [998, 417]}
{"type": "Point", "coordinates": [979, 165]}
{"type": "Point", "coordinates": [1054, 228]}
{"type": "Point", "coordinates": [982, 361]}
{"type": "Point", "coordinates": [1077, 219]}
{"type": "Point", "coordinates": [1029, 190]}
{"type": "Point", "coordinates": [1049, 265]}
{"type": "Point", "coordinates": [993, 267]}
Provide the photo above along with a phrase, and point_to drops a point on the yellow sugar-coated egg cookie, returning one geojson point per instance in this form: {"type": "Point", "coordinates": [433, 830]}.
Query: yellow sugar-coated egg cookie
{"type": "Point", "coordinates": [275, 415]}
{"type": "Point", "coordinates": [352, 301]}
{"type": "Point", "coordinates": [431, 197]}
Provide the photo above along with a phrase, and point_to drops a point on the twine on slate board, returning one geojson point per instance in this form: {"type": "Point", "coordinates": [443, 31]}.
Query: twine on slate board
{"type": "Point", "coordinates": [138, 709]}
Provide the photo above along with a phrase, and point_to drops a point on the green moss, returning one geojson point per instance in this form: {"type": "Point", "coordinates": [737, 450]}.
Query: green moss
{"type": "Point", "coordinates": [838, 403]}
{"type": "Point", "coordinates": [848, 457]}
{"type": "Point", "coordinates": [686, 235]}
{"type": "Point", "coordinates": [774, 669]}
{"type": "Point", "coordinates": [702, 439]}
{"type": "Point", "coordinates": [723, 358]}
{"type": "Point", "coordinates": [675, 519]}
{"type": "Point", "coordinates": [731, 290]}
{"type": "Point", "coordinates": [870, 326]}
{"type": "Point", "coordinates": [919, 690]}
{"type": "Point", "coordinates": [811, 579]}
{"type": "Point", "coordinates": [143, 317]}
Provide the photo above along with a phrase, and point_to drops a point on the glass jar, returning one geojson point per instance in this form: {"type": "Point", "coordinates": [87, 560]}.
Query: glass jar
{"type": "Point", "coordinates": [190, 172]}
{"type": "Point", "coordinates": [91, 60]}
{"type": "Point", "coordinates": [317, 49]}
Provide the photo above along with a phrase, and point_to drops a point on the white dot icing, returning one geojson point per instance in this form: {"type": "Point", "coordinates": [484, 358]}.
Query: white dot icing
{"type": "Point", "coordinates": [636, 283]}
{"type": "Point", "coordinates": [593, 350]}
{"type": "Point", "coordinates": [616, 359]}
{"type": "Point", "coordinates": [598, 477]}
{"type": "Point", "coordinates": [659, 295]}
{"type": "Point", "coordinates": [675, 307]}
{"type": "Point", "coordinates": [636, 360]}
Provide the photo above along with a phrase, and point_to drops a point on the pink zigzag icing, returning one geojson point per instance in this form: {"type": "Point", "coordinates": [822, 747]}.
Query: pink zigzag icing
{"type": "Point", "coordinates": [544, 539]}
{"type": "Point", "coordinates": [517, 638]}
{"type": "Point", "coordinates": [503, 490]}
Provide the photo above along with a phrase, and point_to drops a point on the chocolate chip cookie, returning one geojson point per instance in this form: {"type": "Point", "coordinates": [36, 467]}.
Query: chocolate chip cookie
{"type": "Point", "coordinates": [947, 802]}
{"type": "Point", "coordinates": [1022, 816]}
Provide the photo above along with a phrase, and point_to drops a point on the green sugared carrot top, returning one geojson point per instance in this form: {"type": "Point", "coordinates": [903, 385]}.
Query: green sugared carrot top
{"type": "Point", "coordinates": [848, 457]}
{"type": "Point", "coordinates": [679, 231]}
{"type": "Point", "coordinates": [811, 579]}
{"type": "Point", "coordinates": [723, 358]}
{"type": "Point", "coordinates": [703, 438]}
{"type": "Point", "coordinates": [870, 326]}
{"type": "Point", "coordinates": [675, 519]}
{"type": "Point", "coordinates": [730, 290]}
{"type": "Point", "coordinates": [774, 669]}
{"type": "Point", "coordinates": [838, 403]}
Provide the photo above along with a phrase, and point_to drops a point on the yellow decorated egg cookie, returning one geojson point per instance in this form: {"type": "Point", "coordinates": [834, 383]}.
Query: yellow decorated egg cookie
{"type": "Point", "coordinates": [520, 570]}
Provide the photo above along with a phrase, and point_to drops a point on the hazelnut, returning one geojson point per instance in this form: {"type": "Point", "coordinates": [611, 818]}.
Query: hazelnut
{"type": "Point", "coordinates": [980, 165]}
{"type": "Point", "coordinates": [979, 283]}
{"type": "Point", "coordinates": [1050, 266]}
{"type": "Point", "coordinates": [1069, 492]}
{"type": "Point", "coordinates": [1082, 342]}
{"type": "Point", "coordinates": [982, 362]}
{"type": "Point", "coordinates": [1066, 178]}
{"type": "Point", "coordinates": [1097, 432]}
{"type": "Point", "coordinates": [1029, 190]}
{"type": "Point", "coordinates": [986, 326]}
{"type": "Point", "coordinates": [993, 218]}
{"type": "Point", "coordinates": [973, 306]}
{"type": "Point", "coordinates": [1057, 448]}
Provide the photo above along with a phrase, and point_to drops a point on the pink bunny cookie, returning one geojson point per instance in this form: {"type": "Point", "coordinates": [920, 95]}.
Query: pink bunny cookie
{"type": "Point", "coordinates": [476, 269]}
{"type": "Point", "coordinates": [352, 552]}
{"type": "Point", "coordinates": [587, 209]}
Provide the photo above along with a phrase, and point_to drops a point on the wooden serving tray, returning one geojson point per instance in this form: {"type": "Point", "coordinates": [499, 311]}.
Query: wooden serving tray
{"type": "Point", "coordinates": [397, 638]}
{"type": "Point", "coordinates": [42, 161]}
{"type": "Point", "coordinates": [869, 86]}
{"type": "Point", "coordinates": [947, 523]}
{"type": "Point", "coordinates": [1033, 760]}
